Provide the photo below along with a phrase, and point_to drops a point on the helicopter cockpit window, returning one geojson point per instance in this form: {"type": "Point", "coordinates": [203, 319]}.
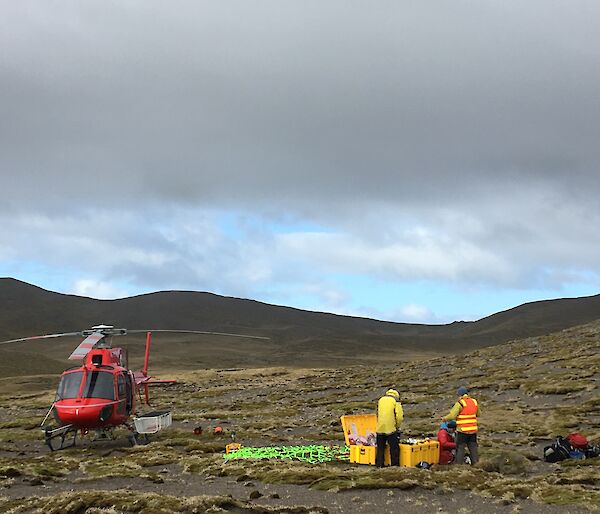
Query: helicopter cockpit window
{"type": "Point", "coordinates": [99, 384]}
{"type": "Point", "coordinates": [68, 386]}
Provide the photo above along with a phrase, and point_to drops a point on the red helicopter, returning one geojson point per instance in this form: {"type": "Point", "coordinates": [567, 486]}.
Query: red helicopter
{"type": "Point", "coordinates": [101, 394]}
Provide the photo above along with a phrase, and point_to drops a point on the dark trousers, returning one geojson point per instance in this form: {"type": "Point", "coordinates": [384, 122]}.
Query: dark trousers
{"type": "Point", "coordinates": [470, 441]}
{"type": "Point", "coordinates": [392, 440]}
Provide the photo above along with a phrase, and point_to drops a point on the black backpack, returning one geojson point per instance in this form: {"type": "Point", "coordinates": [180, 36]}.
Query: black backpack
{"type": "Point", "coordinates": [558, 450]}
{"type": "Point", "coordinates": [592, 451]}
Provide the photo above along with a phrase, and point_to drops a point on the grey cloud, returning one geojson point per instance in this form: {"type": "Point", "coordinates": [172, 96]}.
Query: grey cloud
{"type": "Point", "coordinates": [473, 122]}
{"type": "Point", "coordinates": [324, 100]}
{"type": "Point", "coordinates": [155, 249]}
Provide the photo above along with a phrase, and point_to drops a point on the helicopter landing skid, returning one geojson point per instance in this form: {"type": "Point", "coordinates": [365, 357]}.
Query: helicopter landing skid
{"type": "Point", "coordinates": [54, 435]}
{"type": "Point", "coordinates": [104, 434]}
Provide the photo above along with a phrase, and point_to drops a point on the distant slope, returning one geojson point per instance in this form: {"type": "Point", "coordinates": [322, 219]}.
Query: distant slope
{"type": "Point", "coordinates": [27, 363]}
{"type": "Point", "coordinates": [297, 336]}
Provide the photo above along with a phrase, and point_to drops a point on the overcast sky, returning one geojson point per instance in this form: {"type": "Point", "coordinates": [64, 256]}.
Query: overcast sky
{"type": "Point", "coordinates": [409, 161]}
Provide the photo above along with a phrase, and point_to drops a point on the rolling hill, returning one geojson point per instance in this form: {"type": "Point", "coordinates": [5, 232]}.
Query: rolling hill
{"type": "Point", "coordinates": [297, 337]}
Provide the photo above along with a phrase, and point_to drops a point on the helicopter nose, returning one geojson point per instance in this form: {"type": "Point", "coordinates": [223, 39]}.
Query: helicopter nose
{"type": "Point", "coordinates": [82, 413]}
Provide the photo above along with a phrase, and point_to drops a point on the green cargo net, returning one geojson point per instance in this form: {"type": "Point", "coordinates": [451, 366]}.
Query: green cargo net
{"type": "Point", "coordinates": [313, 453]}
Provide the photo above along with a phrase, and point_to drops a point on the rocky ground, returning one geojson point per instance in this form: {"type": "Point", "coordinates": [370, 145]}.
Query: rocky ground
{"type": "Point", "coordinates": [530, 391]}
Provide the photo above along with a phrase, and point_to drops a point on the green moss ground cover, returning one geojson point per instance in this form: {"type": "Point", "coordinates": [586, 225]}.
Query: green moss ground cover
{"type": "Point", "coordinates": [530, 390]}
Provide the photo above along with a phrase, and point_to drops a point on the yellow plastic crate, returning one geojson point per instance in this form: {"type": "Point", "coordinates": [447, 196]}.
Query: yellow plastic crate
{"type": "Point", "coordinates": [366, 454]}
{"type": "Point", "coordinates": [433, 450]}
{"type": "Point", "coordinates": [412, 454]}
{"type": "Point", "coordinates": [232, 447]}
{"type": "Point", "coordinates": [359, 425]}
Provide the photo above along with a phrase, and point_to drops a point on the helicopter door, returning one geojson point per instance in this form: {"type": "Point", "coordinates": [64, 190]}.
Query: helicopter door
{"type": "Point", "coordinates": [129, 394]}
{"type": "Point", "coordinates": [123, 397]}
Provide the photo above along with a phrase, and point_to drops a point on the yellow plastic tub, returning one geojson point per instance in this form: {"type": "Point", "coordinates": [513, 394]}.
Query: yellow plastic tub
{"type": "Point", "coordinates": [412, 454]}
{"type": "Point", "coordinates": [358, 425]}
{"type": "Point", "coordinates": [366, 454]}
{"type": "Point", "coordinates": [361, 425]}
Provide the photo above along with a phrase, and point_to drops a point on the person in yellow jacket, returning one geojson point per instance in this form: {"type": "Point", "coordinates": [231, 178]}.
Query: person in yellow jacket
{"type": "Point", "coordinates": [389, 419]}
{"type": "Point", "coordinates": [465, 412]}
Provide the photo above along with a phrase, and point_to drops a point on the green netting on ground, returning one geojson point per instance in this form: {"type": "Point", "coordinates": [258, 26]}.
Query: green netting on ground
{"type": "Point", "coordinates": [313, 453]}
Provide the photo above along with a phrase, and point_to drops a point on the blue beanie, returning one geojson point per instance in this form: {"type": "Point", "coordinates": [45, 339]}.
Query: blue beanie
{"type": "Point", "coordinates": [444, 425]}
{"type": "Point", "coordinates": [451, 424]}
{"type": "Point", "coordinates": [462, 390]}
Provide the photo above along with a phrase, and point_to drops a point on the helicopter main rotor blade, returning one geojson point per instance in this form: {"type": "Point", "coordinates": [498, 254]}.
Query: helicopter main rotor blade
{"type": "Point", "coordinates": [197, 332]}
{"type": "Point", "coordinates": [49, 336]}
{"type": "Point", "coordinates": [85, 346]}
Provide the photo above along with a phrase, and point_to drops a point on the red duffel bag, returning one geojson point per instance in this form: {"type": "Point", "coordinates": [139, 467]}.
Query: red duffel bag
{"type": "Point", "coordinates": [577, 440]}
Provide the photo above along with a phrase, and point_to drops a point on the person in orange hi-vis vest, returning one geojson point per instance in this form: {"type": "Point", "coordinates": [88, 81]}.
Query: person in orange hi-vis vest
{"type": "Point", "coordinates": [465, 412]}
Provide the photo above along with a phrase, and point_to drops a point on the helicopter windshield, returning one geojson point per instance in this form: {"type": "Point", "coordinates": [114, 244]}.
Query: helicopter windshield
{"type": "Point", "coordinates": [68, 386]}
{"type": "Point", "coordinates": [99, 384]}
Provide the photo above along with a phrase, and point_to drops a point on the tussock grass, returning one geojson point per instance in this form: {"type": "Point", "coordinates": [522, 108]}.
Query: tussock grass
{"type": "Point", "coordinates": [51, 466]}
{"type": "Point", "coordinates": [530, 390]}
{"type": "Point", "coordinates": [506, 462]}
{"type": "Point", "coordinates": [126, 501]}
